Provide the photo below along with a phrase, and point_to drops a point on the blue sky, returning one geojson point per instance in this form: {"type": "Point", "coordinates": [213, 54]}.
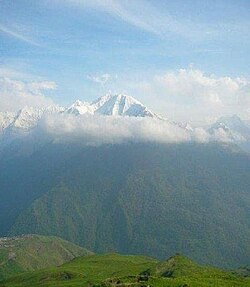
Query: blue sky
{"type": "Point", "coordinates": [89, 48]}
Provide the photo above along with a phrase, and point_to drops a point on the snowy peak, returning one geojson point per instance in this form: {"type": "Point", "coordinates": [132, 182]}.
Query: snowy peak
{"type": "Point", "coordinates": [235, 124]}
{"type": "Point", "coordinates": [112, 105]}
{"type": "Point", "coordinates": [6, 118]}
{"type": "Point", "coordinates": [185, 126]}
{"type": "Point", "coordinates": [79, 108]}
{"type": "Point", "coordinates": [232, 127]}
{"type": "Point", "coordinates": [122, 105]}
{"type": "Point", "coordinates": [26, 118]}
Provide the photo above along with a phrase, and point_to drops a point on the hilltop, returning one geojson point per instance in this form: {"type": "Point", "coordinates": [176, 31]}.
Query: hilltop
{"type": "Point", "coordinates": [33, 252]}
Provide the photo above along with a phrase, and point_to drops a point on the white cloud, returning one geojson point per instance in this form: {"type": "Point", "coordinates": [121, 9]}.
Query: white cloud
{"type": "Point", "coordinates": [96, 130]}
{"type": "Point", "coordinates": [191, 87]}
{"type": "Point", "coordinates": [100, 79]}
{"type": "Point", "coordinates": [206, 95]}
{"type": "Point", "coordinates": [5, 71]}
{"type": "Point", "coordinates": [191, 95]}
{"type": "Point", "coordinates": [195, 87]}
{"type": "Point", "coordinates": [156, 18]}
{"type": "Point", "coordinates": [118, 9]}
{"type": "Point", "coordinates": [17, 35]}
{"type": "Point", "coordinates": [147, 16]}
{"type": "Point", "coordinates": [223, 136]}
{"type": "Point", "coordinates": [15, 94]}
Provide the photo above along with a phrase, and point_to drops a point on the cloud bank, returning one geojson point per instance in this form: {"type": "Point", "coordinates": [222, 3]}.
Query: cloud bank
{"type": "Point", "coordinates": [206, 95]}
{"type": "Point", "coordinates": [16, 94]}
{"type": "Point", "coordinates": [194, 96]}
{"type": "Point", "coordinates": [96, 130]}
{"type": "Point", "coordinates": [193, 86]}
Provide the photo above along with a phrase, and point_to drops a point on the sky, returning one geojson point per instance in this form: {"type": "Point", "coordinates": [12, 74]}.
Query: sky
{"type": "Point", "coordinates": [186, 59]}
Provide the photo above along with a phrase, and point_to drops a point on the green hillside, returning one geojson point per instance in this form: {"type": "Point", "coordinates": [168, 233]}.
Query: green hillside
{"type": "Point", "coordinates": [114, 270]}
{"type": "Point", "coordinates": [151, 199]}
{"type": "Point", "coordinates": [243, 271]}
{"type": "Point", "coordinates": [33, 252]}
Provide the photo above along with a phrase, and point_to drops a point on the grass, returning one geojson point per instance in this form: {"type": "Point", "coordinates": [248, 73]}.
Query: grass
{"type": "Point", "coordinates": [114, 270]}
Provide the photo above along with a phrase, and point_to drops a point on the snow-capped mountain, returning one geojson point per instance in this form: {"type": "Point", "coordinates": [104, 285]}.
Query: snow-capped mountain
{"type": "Point", "coordinates": [112, 105]}
{"type": "Point", "coordinates": [232, 128]}
{"type": "Point", "coordinates": [108, 105]}
{"type": "Point", "coordinates": [6, 118]}
{"type": "Point", "coordinates": [225, 129]}
{"type": "Point", "coordinates": [80, 108]}
{"type": "Point", "coordinates": [185, 126]}
{"type": "Point", "coordinates": [113, 108]}
{"type": "Point", "coordinates": [25, 119]}
{"type": "Point", "coordinates": [121, 105]}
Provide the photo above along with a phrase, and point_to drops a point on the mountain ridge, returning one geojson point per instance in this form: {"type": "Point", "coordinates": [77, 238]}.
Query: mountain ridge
{"type": "Point", "coordinates": [225, 129]}
{"type": "Point", "coordinates": [108, 105]}
{"type": "Point", "coordinates": [32, 252]}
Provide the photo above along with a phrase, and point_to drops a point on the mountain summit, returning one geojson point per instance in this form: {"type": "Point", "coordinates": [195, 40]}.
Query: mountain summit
{"type": "Point", "coordinates": [232, 127]}
{"type": "Point", "coordinates": [79, 108]}
{"type": "Point", "coordinates": [121, 105]}
{"type": "Point", "coordinates": [112, 105]}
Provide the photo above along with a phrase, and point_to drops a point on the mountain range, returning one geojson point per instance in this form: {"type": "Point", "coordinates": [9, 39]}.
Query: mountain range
{"type": "Point", "coordinates": [154, 199]}
{"type": "Point", "coordinates": [110, 105]}
{"type": "Point", "coordinates": [225, 129]}
{"type": "Point", "coordinates": [135, 196]}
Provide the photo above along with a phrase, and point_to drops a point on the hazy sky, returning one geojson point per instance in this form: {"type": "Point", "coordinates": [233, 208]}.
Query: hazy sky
{"type": "Point", "coordinates": [185, 59]}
